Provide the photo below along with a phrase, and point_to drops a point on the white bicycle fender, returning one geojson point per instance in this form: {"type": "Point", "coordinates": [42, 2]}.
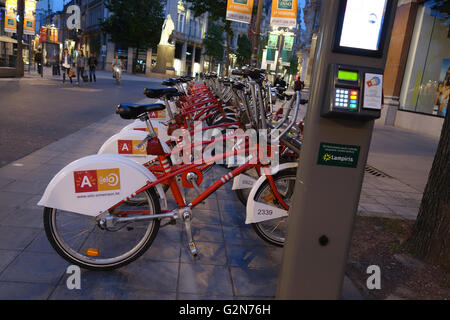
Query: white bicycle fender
{"type": "Point", "coordinates": [93, 184]}
{"type": "Point", "coordinates": [257, 211]}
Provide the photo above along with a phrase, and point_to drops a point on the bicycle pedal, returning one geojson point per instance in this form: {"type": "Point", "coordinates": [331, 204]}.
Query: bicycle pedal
{"type": "Point", "coordinates": [193, 249]}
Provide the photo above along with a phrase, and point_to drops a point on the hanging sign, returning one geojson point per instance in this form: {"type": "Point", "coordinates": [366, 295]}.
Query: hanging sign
{"type": "Point", "coordinates": [240, 10]}
{"type": "Point", "coordinates": [10, 16]}
{"type": "Point", "coordinates": [29, 17]}
{"type": "Point", "coordinates": [286, 53]}
{"type": "Point", "coordinates": [284, 13]}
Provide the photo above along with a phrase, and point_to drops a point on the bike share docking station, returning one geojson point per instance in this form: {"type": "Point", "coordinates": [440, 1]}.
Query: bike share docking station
{"type": "Point", "coordinates": [345, 99]}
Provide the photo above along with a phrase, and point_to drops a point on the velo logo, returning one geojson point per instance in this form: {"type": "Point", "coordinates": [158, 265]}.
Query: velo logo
{"type": "Point", "coordinates": [130, 147]}
{"type": "Point", "coordinates": [97, 180]}
{"type": "Point", "coordinates": [157, 114]}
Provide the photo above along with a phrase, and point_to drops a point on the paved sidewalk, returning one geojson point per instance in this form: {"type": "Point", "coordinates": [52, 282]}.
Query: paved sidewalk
{"type": "Point", "coordinates": [234, 263]}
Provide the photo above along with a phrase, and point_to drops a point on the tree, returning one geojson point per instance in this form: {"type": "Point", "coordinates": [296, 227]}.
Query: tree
{"type": "Point", "coordinates": [244, 50]}
{"type": "Point", "coordinates": [293, 67]}
{"type": "Point", "coordinates": [217, 10]}
{"type": "Point", "coordinates": [213, 43]}
{"type": "Point", "coordinates": [430, 238]}
{"type": "Point", "coordinates": [135, 23]}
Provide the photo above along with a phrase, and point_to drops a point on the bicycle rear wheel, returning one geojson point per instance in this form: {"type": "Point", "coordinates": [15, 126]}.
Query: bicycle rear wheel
{"type": "Point", "coordinates": [274, 231]}
{"type": "Point", "coordinates": [81, 240]}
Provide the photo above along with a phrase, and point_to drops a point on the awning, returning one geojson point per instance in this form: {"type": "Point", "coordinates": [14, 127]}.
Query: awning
{"type": "Point", "coordinates": [7, 39]}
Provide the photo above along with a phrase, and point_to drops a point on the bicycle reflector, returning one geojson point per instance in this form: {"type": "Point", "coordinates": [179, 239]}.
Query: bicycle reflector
{"type": "Point", "coordinates": [92, 252]}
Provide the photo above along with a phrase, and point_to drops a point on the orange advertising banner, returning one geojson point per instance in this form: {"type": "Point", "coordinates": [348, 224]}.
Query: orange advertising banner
{"type": "Point", "coordinates": [29, 17]}
{"type": "Point", "coordinates": [284, 13]}
{"type": "Point", "coordinates": [240, 10]}
{"type": "Point", "coordinates": [10, 16]}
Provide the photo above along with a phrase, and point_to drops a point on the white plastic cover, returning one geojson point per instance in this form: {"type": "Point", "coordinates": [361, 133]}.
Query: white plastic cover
{"type": "Point", "coordinates": [93, 184]}
{"type": "Point", "coordinates": [258, 211]}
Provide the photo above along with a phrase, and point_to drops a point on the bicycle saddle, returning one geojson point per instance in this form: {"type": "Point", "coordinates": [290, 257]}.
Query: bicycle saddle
{"type": "Point", "coordinates": [159, 92]}
{"type": "Point", "coordinates": [133, 111]}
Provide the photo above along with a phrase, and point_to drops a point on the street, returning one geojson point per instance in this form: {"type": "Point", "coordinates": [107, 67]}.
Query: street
{"type": "Point", "coordinates": [38, 111]}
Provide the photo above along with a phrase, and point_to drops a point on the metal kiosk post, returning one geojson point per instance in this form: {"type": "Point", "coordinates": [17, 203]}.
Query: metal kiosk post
{"type": "Point", "coordinates": [345, 99]}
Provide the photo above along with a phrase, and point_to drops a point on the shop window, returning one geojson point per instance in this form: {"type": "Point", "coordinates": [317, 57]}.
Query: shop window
{"type": "Point", "coordinates": [426, 86]}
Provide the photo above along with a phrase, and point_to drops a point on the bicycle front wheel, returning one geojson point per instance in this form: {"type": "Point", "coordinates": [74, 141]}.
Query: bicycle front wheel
{"type": "Point", "coordinates": [81, 240]}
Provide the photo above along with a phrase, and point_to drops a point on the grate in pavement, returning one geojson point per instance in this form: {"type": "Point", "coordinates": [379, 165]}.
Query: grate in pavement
{"type": "Point", "coordinates": [376, 172]}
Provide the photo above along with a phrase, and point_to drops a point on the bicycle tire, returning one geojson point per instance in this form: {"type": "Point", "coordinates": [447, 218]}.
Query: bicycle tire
{"type": "Point", "coordinates": [70, 254]}
{"type": "Point", "coordinates": [290, 173]}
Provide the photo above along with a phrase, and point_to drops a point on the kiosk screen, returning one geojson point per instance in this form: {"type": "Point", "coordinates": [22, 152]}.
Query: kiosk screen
{"type": "Point", "coordinates": [362, 25]}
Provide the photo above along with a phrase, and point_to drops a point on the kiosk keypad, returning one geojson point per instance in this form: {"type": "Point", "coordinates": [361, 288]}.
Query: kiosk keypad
{"type": "Point", "coordinates": [346, 98]}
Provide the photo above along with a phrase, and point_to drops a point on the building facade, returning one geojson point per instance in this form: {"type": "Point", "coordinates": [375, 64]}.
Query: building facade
{"type": "Point", "coordinates": [417, 76]}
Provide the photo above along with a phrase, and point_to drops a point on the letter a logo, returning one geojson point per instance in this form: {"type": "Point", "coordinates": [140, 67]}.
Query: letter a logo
{"type": "Point", "coordinates": [374, 281]}
{"type": "Point", "coordinates": [74, 280]}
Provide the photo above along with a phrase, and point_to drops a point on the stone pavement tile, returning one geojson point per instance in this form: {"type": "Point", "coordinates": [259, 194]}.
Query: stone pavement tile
{"type": "Point", "coordinates": [204, 232]}
{"type": "Point", "coordinates": [224, 194]}
{"type": "Point", "coordinates": [139, 294]}
{"type": "Point", "coordinates": [149, 275]}
{"type": "Point", "coordinates": [349, 290]}
{"type": "Point", "coordinates": [172, 232]}
{"type": "Point", "coordinates": [203, 279]}
{"type": "Point", "coordinates": [372, 191]}
{"type": "Point", "coordinates": [254, 282]}
{"type": "Point", "coordinates": [45, 173]}
{"type": "Point", "coordinates": [97, 285]}
{"type": "Point", "coordinates": [23, 217]}
{"type": "Point", "coordinates": [21, 186]}
{"type": "Point", "coordinates": [206, 217]}
{"type": "Point", "coordinates": [409, 213]}
{"type": "Point", "coordinates": [17, 170]}
{"type": "Point", "coordinates": [254, 257]}
{"type": "Point", "coordinates": [13, 199]}
{"type": "Point", "coordinates": [17, 238]}
{"type": "Point", "coordinates": [209, 253]}
{"type": "Point", "coordinates": [390, 201]}
{"type": "Point", "coordinates": [5, 182]}
{"type": "Point", "coordinates": [244, 235]}
{"type": "Point", "coordinates": [40, 244]}
{"type": "Point", "coordinates": [25, 291]}
{"type": "Point", "coordinates": [210, 204]}
{"type": "Point", "coordinates": [412, 195]}
{"type": "Point", "coordinates": [32, 203]}
{"type": "Point", "coordinates": [164, 248]}
{"type": "Point", "coordinates": [376, 208]}
{"type": "Point", "coordinates": [367, 199]}
{"type": "Point", "coordinates": [35, 267]}
{"type": "Point", "coordinates": [231, 206]}
{"type": "Point", "coordinates": [6, 257]}
{"type": "Point", "coordinates": [233, 218]}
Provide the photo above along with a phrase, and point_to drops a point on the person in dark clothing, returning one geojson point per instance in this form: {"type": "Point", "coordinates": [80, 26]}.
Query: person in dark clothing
{"type": "Point", "coordinates": [298, 84]}
{"type": "Point", "coordinates": [92, 62]}
{"type": "Point", "coordinates": [38, 60]}
{"type": "Point", "coordinates": [66, 64]}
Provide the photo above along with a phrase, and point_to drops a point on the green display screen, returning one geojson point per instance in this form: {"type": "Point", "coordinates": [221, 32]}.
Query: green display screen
{"type": "Point", "coordinates": [347, 75]}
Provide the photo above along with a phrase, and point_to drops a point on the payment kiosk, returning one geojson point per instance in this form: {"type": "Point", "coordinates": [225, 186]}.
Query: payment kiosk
{"type": "Point", "coordinates": [345, 98]}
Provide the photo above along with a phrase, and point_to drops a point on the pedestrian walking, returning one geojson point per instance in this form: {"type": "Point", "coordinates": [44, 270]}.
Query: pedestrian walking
{"type": "Point", "coordinates": [66, 65]}
{"type": "Point", "coordinates": [92, 62]}
{"type": "Point", "coordinates": [81, 64]}
{"type": "Point", "coordinates": [38, 60]}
